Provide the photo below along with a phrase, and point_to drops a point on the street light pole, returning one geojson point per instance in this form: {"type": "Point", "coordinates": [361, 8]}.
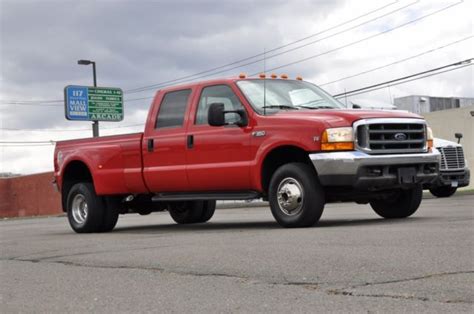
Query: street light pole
{"type": "Point", "coordinates": [95, 124]}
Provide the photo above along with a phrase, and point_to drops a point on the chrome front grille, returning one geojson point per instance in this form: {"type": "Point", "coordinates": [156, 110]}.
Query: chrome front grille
{"type": "Point", "coordinates": [452, 158]}
{"type": "Point", "coordinates": [391, 136]}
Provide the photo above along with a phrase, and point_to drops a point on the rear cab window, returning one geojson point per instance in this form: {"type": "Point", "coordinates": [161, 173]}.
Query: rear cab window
{"type": "Point", "coordinates": [173, 109]}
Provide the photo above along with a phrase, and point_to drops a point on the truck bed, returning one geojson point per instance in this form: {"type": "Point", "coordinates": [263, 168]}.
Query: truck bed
{"type": "Point", "coordinates": [117, 161]}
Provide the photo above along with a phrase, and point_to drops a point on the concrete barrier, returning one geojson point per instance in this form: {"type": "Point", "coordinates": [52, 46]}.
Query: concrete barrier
{"type": "Point", "coordinates": [30, 195]}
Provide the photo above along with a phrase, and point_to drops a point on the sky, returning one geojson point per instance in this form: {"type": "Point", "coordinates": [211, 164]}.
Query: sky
{"type": "Point", "coordinates": [141, 43]}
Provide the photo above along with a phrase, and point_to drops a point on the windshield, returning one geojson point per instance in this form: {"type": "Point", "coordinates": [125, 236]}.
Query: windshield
{"type": "Point", "coordinates": [286, 95]}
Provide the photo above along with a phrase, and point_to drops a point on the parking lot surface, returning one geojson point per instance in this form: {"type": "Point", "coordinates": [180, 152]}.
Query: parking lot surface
{"type": "Point", "coordinates": [242, 261]}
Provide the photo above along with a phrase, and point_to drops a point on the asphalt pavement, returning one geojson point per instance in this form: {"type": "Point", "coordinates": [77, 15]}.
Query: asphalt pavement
{"type": "Point", "coordinates": [242, 261]}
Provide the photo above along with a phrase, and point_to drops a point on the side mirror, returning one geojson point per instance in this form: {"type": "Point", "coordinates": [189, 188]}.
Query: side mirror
{"type": "Point", "coordinates": [216, 116]}
{"type": "Point", "coordinates": [355, 106]}
{"type": "Point", "coordinates": [458, 136]}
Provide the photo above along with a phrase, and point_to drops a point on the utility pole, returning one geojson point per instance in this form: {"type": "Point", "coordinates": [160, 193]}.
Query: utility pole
{"type": "Point", "coordinates": [95, 124]}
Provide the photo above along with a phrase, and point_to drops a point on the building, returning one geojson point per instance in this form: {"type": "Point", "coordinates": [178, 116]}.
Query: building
{"type": "Point", "coordinates": [423, 104]}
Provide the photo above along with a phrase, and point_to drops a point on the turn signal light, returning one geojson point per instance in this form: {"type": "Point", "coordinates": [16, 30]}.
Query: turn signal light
{"type": "Point", "coordinates": [429, 143]}
{"type": "Point", "coordinates": [337, 146]}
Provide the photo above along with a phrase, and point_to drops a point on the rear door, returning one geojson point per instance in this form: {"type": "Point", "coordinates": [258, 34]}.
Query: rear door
{"type": "Point", "coordinates": [218, 157]}
{"type": "Point", "coordinates": [164, 143]}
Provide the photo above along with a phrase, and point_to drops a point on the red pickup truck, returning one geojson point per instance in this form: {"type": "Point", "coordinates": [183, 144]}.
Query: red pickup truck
{"type": "Point", "coordinates": [286, 141]}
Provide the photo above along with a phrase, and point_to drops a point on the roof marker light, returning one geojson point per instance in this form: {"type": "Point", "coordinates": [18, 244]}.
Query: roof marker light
{"type": "Point", "coordinates": [273, 76]}
{"type": "Point", "coordinates": [242, 75]}
{"type": "Point", "coordinates": [299, 78]}
{"type": "Point", "coordinates": [262, 75]}
{"type": "Point", "coordinates": [284, 76]}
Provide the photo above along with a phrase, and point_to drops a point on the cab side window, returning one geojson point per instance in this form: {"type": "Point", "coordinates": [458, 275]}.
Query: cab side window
{"type": "Point", "coordinates": [218, 94]}
{"type": "Point", "coordinates": [173, 109]}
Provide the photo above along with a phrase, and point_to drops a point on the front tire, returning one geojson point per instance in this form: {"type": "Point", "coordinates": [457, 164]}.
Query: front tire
{"type": "Point", "coordinates": [295, 195]}
{"type": "Point", "coordinates": [403, 204]}
{"type": "Point", "coordinates": [443, 191]}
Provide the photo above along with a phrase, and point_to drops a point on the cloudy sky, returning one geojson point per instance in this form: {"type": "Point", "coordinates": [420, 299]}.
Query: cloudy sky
{"type": "Point", "coordinates": [143, 43]}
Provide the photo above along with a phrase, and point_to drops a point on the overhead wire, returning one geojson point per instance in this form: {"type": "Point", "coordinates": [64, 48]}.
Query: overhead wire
{"type": "Point", "coordinates": [408, 78]}
{"type": "Point", "coordinates": [199, 74]}
{"type": "Point", "coordinates": [365, 38]}
{"type": "Point", "coordinates": [50, 102]}
{"type": "Point", "coordinates": [398, 61]}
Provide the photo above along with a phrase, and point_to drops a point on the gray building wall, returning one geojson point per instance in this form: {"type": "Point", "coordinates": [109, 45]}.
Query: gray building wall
{"type": "Point", "coordinates": [422, 104]}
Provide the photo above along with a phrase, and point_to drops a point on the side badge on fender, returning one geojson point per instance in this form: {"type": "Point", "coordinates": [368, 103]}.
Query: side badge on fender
{"type": "Point", "coordinates": [259, 133]}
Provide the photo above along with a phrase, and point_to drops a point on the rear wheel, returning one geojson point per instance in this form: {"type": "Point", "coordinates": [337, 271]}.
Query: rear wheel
{"type": "Point", "coordinates": [208, 209]}
{"type": "Point", "coordinates": [295, 195]}
{"type": "Point", "coordinates": [111, 214]}
{"type": "Point", "coordinates": [443, 191]}
{"type": "Point", "coordinates": [186, 212]}
{"type": "Point", "coordinates": [403, 204]}
{"type": "Point", "coordinates": [85, 210]}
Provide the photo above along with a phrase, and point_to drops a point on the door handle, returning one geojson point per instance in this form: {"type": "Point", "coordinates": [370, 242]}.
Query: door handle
{"type": "Point", "coordinates": [190, 141]}
{"type": "Point", "coordinates": [150, 145]}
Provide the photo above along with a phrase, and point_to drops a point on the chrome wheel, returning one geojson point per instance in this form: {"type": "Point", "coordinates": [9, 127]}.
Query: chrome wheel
{"type": "Point", "coordinates": [79, 208]}
{"type": "Point", "coordinates": [290, 196]}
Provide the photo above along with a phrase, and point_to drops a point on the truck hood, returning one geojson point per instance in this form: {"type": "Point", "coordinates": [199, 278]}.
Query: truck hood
{"type": "Point", "coordinates": [342, 117]}
{"type": "Point", "coordinates": [439, 142]}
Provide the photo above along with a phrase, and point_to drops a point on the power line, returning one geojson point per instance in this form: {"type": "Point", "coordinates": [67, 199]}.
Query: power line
{"type": "Point", "coordinates": [51, 103]}
{"type": "Point", "coordinates": [26, 103]}
{"type": "Point", "coordinates": [186, 78]}
{"type": "Point", "coordinates": [457, 65]}
{"type": "Point", "coordinates": [24, 145]}
{"type": "Point", "coordinates": [367, 89]}
{"type": "Point", "coordinates": [326, 52]}
{"type": "Point", "coordinates": [365, 38]}
{"type": "Point", "coordinates": [329, 51]}
{"type": "Point", "coordinates": [70, 130]}
{"type": "Point", "coordinates": [398, 61]}
{"type": "Point", "coordinates": [28, 142]}
{"type": "Point", "coordinates": [413, 79]}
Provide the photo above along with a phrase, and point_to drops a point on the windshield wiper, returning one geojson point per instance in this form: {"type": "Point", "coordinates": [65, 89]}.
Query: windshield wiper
{"type": "Point", "coordinates": [315, 107]}
{"type": "Point", "coordinates": [325, 107]}
{"type": "Point", "coordinates": [280, 107]}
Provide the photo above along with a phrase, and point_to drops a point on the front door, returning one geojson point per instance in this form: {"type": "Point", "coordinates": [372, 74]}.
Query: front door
{"type": "Point", "coordinates": [218, 158]}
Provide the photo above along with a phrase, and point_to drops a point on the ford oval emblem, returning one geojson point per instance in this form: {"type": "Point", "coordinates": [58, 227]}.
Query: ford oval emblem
{"type": "Point", "coordinates": [400, 136]}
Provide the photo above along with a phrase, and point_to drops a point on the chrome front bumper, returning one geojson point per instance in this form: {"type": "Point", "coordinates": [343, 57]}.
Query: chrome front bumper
{"type": "Point", "coordinates": [364, 171]}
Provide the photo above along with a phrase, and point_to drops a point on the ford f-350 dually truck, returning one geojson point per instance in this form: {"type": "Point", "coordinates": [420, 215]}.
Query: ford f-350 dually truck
{"type": "Point", "coordinates": [286, 141]}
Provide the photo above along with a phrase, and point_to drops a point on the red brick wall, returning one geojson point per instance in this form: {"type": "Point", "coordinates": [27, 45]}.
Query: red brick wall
{"type": "Point", "coordinates": [31, 195]}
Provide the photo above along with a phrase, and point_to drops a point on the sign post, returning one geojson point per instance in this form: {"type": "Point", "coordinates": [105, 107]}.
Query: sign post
{"type": "Point", "coordinates": [83, 103]}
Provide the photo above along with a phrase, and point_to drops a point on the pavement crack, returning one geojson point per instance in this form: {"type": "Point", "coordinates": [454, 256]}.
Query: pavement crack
{"type": "Point", "coordinates": [155, 269]}
{"type": "Point", "coordinates": [413, 278]}
{"type": "Point", "coordinates": [304, 284]}
{"type": "Point", "coordinates": [347, 292]}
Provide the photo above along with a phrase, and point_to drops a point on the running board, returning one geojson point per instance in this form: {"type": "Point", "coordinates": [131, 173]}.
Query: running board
{"type": "Point", "coordinates": [221, 196]}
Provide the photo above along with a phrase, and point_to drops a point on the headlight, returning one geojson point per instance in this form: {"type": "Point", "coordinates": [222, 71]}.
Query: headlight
{"type": "Point", "coordinates": [338, 139]}
{"type": "Point", "coordinates": [429, 137]}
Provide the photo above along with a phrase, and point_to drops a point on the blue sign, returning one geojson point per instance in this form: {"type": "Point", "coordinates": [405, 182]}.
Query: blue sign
{"type": "Point", "coordinates": [77, 102]}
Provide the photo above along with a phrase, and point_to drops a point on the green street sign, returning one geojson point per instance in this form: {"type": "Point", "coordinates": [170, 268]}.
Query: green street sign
{"type": "Point", "coordinates": [86, 103]}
